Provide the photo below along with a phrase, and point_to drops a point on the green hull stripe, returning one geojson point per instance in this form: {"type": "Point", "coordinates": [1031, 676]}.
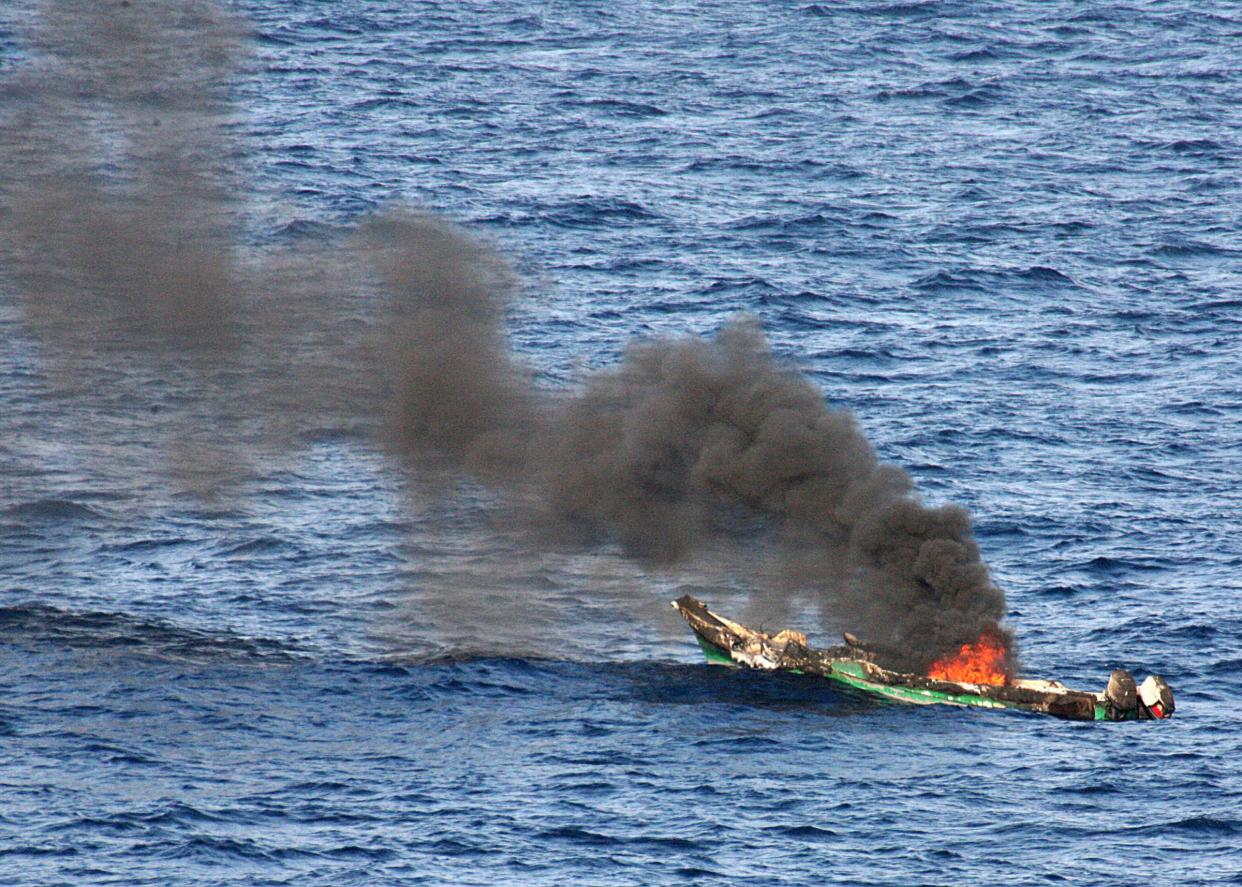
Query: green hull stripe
{"type": "Point", "coordinates": [715, 655]}
{"type": "Point", "coordinates": [851, 674]}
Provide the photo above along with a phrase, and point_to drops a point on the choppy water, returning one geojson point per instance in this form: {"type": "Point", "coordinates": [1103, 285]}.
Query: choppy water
{"type": "Point", "coordinates": [1006, 235]}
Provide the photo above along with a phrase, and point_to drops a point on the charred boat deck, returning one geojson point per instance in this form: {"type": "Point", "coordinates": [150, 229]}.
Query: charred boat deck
{"type": "Point", "coordinates": [855, 664]}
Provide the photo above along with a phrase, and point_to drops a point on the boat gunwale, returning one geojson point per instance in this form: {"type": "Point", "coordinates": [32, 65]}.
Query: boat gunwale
{"type": "Point", "coordinates": [721, 638]}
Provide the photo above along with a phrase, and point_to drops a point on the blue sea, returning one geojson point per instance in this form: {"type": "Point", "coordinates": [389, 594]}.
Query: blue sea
{"type": "Point", "coordinates": [1006, 236]}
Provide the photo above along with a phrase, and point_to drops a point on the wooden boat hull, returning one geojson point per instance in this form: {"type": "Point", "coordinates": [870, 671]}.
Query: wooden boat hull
{"type": "Point", "coordinates": [725, 642]}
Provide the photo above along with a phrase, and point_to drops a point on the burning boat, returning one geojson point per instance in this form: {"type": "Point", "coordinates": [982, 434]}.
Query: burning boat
{"type": "Point", "coordinates": [975, 675]}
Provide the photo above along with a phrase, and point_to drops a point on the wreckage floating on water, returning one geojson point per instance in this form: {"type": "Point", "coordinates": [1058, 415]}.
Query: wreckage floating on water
{"type": "Point", "coordinates": [857, 665]}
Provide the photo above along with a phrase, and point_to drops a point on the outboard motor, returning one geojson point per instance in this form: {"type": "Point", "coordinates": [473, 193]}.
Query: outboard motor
{"type": "Point", "coordinates": [1155, 698]}
{"type": "Point", "coordinates": [1121, 696]}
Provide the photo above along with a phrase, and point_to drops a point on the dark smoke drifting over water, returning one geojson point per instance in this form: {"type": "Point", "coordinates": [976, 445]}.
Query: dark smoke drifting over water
{"type": "Point", "coordinates": [663, 452]}
{"type": "Point", "coordinates": [119, 239]}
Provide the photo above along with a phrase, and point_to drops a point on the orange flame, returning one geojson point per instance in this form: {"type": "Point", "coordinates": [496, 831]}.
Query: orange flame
{"type": "Point", "coordinates": [982, 662]}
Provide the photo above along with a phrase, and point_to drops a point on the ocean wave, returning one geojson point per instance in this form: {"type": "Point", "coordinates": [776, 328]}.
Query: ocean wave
{"type": "Point", "coordinates": [39, 625]}
{"type": "Point", "coordinates": [43, 511]}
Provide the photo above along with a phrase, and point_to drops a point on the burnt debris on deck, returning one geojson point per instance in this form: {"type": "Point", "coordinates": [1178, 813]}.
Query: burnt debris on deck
{"type": "Point", "coordinates": [874, 669]}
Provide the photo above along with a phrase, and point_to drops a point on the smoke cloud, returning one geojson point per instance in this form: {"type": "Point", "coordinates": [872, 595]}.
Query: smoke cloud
{"type": "Point", "coordinates": [688, 445]}
{"type": "Point", "coordinates": [118, 205]}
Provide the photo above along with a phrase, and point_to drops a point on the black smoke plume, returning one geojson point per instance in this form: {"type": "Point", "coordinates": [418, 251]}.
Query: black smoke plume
{"type": "Point", "coordinates": [668, 453]}
{"type": "Point", "coordinates": [118, 204]}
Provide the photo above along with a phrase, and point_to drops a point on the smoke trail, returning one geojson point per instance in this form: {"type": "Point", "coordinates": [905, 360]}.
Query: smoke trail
{"type": "Point", "coordinates": [690, 427]}
{"type": "Point", "coordinates": [116, 200]}
{"type": "Point", "coordinates": [667, 450]}
{"type": "Point", "coordinates": [120, 243]}
{"type": "Point", "coordinates": [457, 392]}
{"type": "Point", "coordinates": [114, 177]}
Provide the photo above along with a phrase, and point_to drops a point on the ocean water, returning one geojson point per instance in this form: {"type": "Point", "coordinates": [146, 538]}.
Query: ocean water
{"type": "Point", "coordinates": [1005, 235]}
